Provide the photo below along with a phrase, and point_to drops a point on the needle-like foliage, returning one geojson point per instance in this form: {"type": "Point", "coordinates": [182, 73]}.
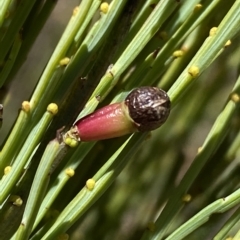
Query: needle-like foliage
{"type": "Point", "coordinates": [180, 181]}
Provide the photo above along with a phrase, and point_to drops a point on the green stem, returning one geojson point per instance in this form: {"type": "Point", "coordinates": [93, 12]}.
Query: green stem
{"type": "Point", "coordinates": [4, 5]}
{"type": "Point", "coordinates": [104, 178]}
{"type": "Point", "coordinates": [38, 190]}
{"type": "Point", "coordinates": [160, 13]}
{"type": "Point", "coordinates": [10, 60]}
{"type": "Point", "coordinates": [15, 26]}
{"type": "Point", "coordinates": [9, 180]}
{"type": "Point", "coordinates": [214, 138]}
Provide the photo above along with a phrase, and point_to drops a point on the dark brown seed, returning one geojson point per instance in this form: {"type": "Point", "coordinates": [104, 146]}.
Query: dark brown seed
{"type": "Point", "coordinates": [148, 107]}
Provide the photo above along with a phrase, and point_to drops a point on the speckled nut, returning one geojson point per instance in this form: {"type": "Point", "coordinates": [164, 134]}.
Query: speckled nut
{"type": "Point", "coordinates": [149, 107]}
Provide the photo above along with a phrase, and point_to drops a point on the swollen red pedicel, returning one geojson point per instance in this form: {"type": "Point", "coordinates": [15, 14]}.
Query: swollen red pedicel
{"type": "Point", "coordinates": [144, 109]}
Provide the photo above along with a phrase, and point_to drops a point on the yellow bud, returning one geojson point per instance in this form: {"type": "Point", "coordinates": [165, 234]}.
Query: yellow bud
{"type": "Point", "coordinates": [187, 198]}
{"type": "Point", "coordinates": [74, 143]}
{"type": "Point", "coordinates": [16, 200]}
{"type": "Point", "coordinates": [104, 7]}
{"type": "Point", "coordinates": [52, 108]}
{"type": "Point", "coordinates": [197, 7]}
{"type": "Point", "coordinates": [200, 149]}
{"type": "Point", "coordinates": [26, 106]}
{"type": "Point", "coordinates": [7, 170]}
{"type": "Point", "coordinates": [70, 172]}
{"type": "Point", "coordinates": [228, 43]}
{"type": "Point", "coordinates": [235, 97]}
{"type": "Point", "coordinates": [67, 141]}
{"type": "Point", "coordinates": [178, 53]}
{"type": "Point", "coordinates": [213, 31]}
{"type": "Point", "coordinates": [64, 61]}
{"type": "Point", "coordinates": [193, 71]}
{"type": "Point", "coordinates": [90, 184]}
{"type": "Point", "coordinates": [75, 11]}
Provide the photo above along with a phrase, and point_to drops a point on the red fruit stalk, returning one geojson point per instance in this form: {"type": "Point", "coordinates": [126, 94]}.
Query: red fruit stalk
{"type": "Point", "coordinates": [144, 109]}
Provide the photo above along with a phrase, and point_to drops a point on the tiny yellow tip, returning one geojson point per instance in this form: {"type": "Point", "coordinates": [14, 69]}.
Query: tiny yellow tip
{"type": "Point", "coordinates": [199, 149]}
{"type": "Point", "coordinates": [90, 184]}
{"type": "Point", "coordinates": [178, 53]}
{"type": "Point", "coordinates": [228, 43]}
{"type": "Point", "coordinates": [193, 71]}
{"type": "Point", "coordinates": [187, 198]}
{"type": "Point", "coordinates": [70, 142]}
{"type": "Point", "coordinates": [213, 31]}
{"type": "Point", "coordinates": [16, 200]}
{"type": "Point", "coordinates": [7, 170]}
{"type": "Point", "coordinates": [26, 106]}
{"type": "Point", "coordinates": [63, 236]}
{"type": "Point", "coordinates": [104, 7]}
{"type": "Point", "coordinates": [163, 35]}
{"type": "Point", "coordinates": [52, 108]}
{"type": "Point", "coordinates": [64, 61]}
{"type": "Point", "coordinates": [197, 7]}
{"type": "Point", "coordinates": [74, 143]}
{"type": "Point", "coordinates": [75, 11]}
{"type": "Point", "coordinates": [67, 141]}
{"type": "Point", "coordinates": [70, 172]}
{"type": "Point", "coordinates": [235, 97]}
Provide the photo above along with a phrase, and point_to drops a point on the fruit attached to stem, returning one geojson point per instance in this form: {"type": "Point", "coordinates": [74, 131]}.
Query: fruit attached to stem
{"type": "Point", "coordinates": [144, 109]}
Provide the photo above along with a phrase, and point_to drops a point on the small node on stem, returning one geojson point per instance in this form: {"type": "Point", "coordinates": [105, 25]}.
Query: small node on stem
{"type": "Point", "coordinates": [64, 61]}
{"type": "Point", "coordinates": [163, 35]}
{"type": "Point", "coordinates": [109, 72]}
{"type": "Point", "coordinates": [67, 140]}
{"type": "Point", "coordinates": [235, 97]}
{"type": "Point", "coordinates": [16, 200]}
{"type": "Point", "coordinates": [71, 142]}
{"type": "Point", "coordinates": [178, 53]}
{"type": "Point", "coordinates": [26, 106]}
{"type": "Point", "coordinates": [70, 172]}
{"type": "Point", "coordinates": [63, 236]}
{"type": "Point", "coordinates": [199, 149]}
{"type": "Point", "coordinates": [51, 214]}
{"type": "Point", "coordinates": [75, 11]}
{"type": "Point", "coordinates": [104, 7]}
{"type": "Point", "coordinates": [52, 108]}
{"type": "Point", "coordinates": [197, 7]}
{"type": "Point", "coordinates": [7, 170]}
{"type": "Point", "coordinates": [213, 31]}
{"type": "Point", "coordinates": [151, 226]}
{"type": "Point", "coordinates": [228, 43]}
{"type": "Point", "coordinates": [193, 71]}
{"type": "Point", "coordinates": [90, 184]}
{"type": "Point", "coordinates": [187, 198]}
{"type": "Point", "coordinates": [74, 143]}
